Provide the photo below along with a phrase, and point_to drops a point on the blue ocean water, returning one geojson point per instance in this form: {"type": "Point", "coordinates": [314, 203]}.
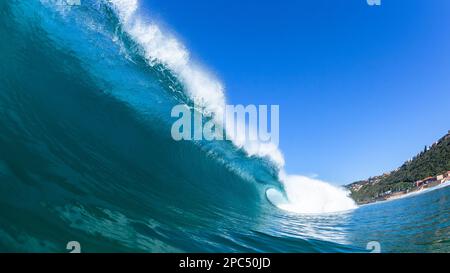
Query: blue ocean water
{"type": "Point", "coordinates": [86, 153]}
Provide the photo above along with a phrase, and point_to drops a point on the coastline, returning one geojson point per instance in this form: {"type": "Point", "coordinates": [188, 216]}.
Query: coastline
{"type": "Point", "coordinates": [409, 194]}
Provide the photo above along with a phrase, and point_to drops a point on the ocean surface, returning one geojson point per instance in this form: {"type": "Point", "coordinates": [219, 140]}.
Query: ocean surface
{"type": "Point", "coordinates": [86, 152]}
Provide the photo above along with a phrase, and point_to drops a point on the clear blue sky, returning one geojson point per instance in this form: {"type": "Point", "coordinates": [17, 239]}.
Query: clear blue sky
{"type": "Point", "coordinates": [361, 89]}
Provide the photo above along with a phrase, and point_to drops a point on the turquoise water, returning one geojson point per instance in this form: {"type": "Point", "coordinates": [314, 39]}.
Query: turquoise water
{"type": "Point", "coordinates": [86, 155]}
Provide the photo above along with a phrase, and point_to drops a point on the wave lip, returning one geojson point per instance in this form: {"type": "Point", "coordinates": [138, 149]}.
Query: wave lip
{"type": "Point", "coordinates": [159, 47]}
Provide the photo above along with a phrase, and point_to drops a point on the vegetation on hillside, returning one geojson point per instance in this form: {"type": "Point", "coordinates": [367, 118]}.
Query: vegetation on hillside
{"type": "Point", "coordinates": [431, 161]}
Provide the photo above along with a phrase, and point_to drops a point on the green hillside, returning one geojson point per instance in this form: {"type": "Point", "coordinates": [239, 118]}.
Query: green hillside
{"type": "Point", "coordinates": [431, 161]}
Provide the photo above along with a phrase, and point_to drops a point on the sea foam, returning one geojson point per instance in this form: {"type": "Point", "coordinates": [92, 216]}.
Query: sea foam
{"type": "Point", "coordinates": [308, 195]}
